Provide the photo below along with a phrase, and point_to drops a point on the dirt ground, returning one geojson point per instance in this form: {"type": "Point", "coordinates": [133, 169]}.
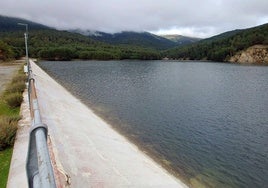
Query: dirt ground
{"type": "Point", "coordinates": [7, 70]}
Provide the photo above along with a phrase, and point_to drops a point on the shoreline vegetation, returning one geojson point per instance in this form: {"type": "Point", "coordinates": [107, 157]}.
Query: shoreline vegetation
{"type": "Point", "coordinates": [10, 101]}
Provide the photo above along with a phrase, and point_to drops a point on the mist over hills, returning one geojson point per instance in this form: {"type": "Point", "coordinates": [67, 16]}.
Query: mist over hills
{"type": "Point", "coordinates": [139, 39]}
{"type": "Point", "coordinates": [180, 39]}
{"type": "Point", "coordinates": [9, 24]}
{"type": "Point", "coordinates": [222, 47]}
{"type": "Point", "coordinates": [142, 39]}
{"type": "Point", "coordinates": [52, 44]}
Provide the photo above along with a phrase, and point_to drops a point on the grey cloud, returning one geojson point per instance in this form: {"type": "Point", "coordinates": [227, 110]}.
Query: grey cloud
{"type": "Point", "coordinates": [195, 17]}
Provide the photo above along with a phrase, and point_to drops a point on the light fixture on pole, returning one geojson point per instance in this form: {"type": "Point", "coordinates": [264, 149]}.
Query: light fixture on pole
{"type": "Point", "coordinates": [26, 45]}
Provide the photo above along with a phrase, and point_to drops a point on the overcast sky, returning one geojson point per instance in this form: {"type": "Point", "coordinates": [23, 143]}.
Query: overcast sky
{"type": "Point", "coordinates": [200, 18]}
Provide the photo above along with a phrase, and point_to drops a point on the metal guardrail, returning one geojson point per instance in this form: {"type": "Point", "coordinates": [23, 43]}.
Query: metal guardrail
{"type": "Point", "coordinates": [38, 166]}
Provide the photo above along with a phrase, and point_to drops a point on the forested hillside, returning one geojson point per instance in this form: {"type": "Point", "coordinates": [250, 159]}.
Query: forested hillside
{"type": "Point", "coordinates": [222, 47]}
{"type": "Point", "coordinates": [51, 44]}
{"type": "Point", "coordinates": [142, 39]}
{"type": "Point", "coordinates": [6, 51]}
{"type": "Point", "coordinates": [138, 39]}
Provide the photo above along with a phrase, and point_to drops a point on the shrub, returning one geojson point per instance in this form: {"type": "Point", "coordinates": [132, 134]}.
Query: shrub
{"type": "Point", "coordinates": [6, 51]}
{"type": "Point", "coordinates": [13, 99]}
{"type": "Point", "coordinates": [18, 86]}
{"type": "Point", "coordinates": [19, 78]}
{"type": "Point", "coordinates": [8, 128]}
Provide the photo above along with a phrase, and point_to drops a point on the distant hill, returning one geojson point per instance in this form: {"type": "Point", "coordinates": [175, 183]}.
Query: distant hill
{"type": "Point", "coordinates": [49, 43]}
{"type": "Point", "coordinates": [180, 39]}
{"type": "Point", "coordinates": [139, 39]}
{"type": "Point", "coordinates": [11, 24]}
{"type": "Point", "coordinates": [222, 47]}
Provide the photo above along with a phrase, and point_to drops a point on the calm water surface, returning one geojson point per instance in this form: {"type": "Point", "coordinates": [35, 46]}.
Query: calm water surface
{"type": "Point", "coordinates": [206, 122]}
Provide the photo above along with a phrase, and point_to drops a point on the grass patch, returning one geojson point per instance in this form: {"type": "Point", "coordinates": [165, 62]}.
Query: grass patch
{"type": "Point", "coordinates": [8, 129]}
{"type": "Point", "coordinates": [17, 86]}
{"type": "Point", "coordinates": [20, 77]}
{"type": "Point", "coordinates": [6, 110]}
{"type": "Point", "coordinates": [13, 99]}
{"type": "Point", "coordinates": [5, 159]}
{"type": "Point", "coordinates": [10, 102]}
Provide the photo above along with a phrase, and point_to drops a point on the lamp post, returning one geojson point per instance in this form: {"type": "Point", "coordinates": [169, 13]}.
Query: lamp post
{"type": "Point", "coordinates": [26, 46]}
{"type": "Point", "coordinates": [28, 71]}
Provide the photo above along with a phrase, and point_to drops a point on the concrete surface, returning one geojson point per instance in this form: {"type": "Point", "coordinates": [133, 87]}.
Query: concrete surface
{"type": "Point", "coordinates": [17, 173]}
{"type": "Point", "coordinates": [87, 152]}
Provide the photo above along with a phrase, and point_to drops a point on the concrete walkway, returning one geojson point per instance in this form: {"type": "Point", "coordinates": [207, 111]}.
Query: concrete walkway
{"type": "Point", "coordinates": [87, 152]}
{"type": "Point", "coordinates": [17, 172]}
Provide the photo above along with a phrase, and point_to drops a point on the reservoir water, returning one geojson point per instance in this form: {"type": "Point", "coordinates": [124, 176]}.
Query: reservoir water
{"type": "Point", "coordinates": [205, 122]}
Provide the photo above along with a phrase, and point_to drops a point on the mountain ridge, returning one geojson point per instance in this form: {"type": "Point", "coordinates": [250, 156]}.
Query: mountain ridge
{"type": "Point", "coordinates": [52, 44]}
{"type": "Point", "coordinates": [9, 24]}
{"type": "Point", "coordinates": [181, 38]}
{"type": "Point", "coordinates": [141, 39]}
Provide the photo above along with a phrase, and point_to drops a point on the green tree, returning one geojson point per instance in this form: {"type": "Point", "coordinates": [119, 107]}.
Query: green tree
{"type": "Point", "coordinates": [6, 51]}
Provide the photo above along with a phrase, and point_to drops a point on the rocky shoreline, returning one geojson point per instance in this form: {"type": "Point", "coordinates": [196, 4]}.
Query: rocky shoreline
{"type": "Point", "coordinates": [257, 54]}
